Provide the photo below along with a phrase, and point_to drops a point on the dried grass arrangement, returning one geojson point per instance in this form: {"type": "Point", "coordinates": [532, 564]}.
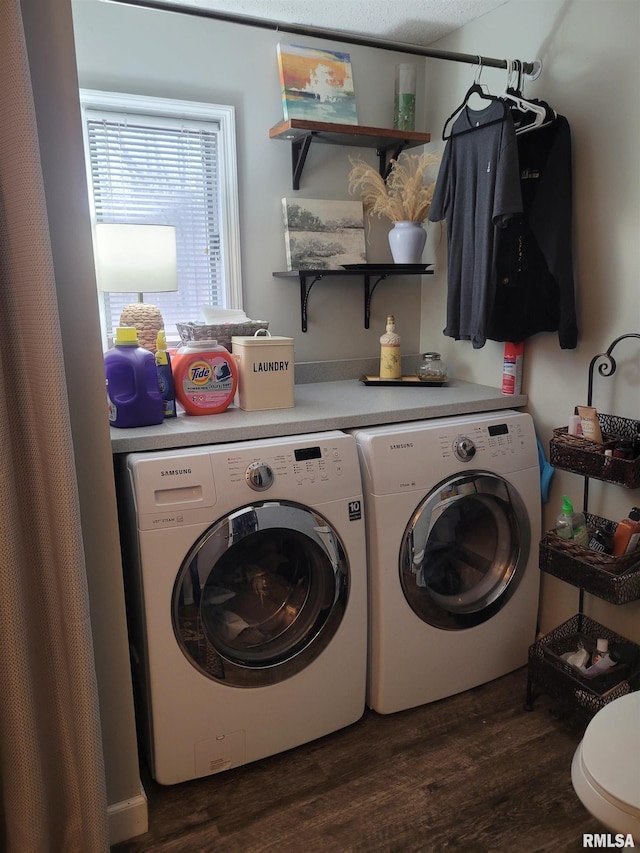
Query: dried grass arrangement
{"type": "Point", "coordinates": [404, 196]}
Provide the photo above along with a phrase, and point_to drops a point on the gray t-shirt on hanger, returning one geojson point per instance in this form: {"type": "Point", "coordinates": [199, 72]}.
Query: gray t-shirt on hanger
{"type": "Point", "coordinates": [477, 190]}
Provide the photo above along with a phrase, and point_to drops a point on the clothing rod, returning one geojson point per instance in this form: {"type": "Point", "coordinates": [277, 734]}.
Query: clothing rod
{"type": "Point", "coordinates": [531, 69]}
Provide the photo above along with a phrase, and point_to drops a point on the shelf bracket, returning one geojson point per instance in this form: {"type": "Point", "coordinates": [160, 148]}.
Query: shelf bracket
{"type": "Point", "coordinates": [368, 293]}
{"type": "Point", "coordinates": [299, 151]}
{"type": "Point", "coordinates": [308, 277]}
{"type": "Point", "coordinates": [385, 160]}
{"type": "Point", "coordinates": [304, 297]}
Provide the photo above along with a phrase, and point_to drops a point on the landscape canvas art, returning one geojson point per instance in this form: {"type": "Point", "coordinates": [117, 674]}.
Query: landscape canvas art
{"type": "Point", "coordinates": [316, 84]}
{"type": "Point", "coordinates": [321, 234]}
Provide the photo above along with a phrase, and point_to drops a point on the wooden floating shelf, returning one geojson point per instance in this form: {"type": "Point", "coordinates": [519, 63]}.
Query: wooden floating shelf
{"type": "Point", "coordinates": [388, 143]}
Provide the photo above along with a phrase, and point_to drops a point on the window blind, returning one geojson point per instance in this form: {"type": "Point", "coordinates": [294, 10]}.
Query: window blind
{"type": "Point", "coordinates": [162, 171]}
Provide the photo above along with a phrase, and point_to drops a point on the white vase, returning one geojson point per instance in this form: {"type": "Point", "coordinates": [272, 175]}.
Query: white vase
{"type": "Point", "coordinates": [406, 241]}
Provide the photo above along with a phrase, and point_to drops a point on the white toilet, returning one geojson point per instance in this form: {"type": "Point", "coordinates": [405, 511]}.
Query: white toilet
{"type": "Point", "coordinates": [606, 766]}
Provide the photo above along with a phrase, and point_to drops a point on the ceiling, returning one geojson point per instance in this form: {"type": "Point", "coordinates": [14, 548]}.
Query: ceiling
{"type": "Point", "coordinates": [415, 21]}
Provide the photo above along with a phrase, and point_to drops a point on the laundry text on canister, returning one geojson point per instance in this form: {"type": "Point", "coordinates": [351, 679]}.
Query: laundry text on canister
{"type": "Point", "coordinates": [266, 371]}
{"type": "Point", "coordinates": [269, 366]}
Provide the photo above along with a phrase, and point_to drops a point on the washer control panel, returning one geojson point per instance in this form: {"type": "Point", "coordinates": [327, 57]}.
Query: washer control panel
{"type": "Point", "coordinates": [259, 476]}
{"type": "Point", "coordinates": [463, 448]}
{"type": "Point", "coordinates": [304, 466]}
{"type": "Point", "coordinates": [177, 488]}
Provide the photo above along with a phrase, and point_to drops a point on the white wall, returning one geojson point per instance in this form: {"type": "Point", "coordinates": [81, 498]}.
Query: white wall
{"type": "Point", "coordinates": [589, 53]}
{"type": "Point", "coordinates": [147, 52]}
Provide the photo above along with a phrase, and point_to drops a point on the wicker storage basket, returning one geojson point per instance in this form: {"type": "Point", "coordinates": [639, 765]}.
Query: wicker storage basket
{"type": "Point", "coordinates": [614, 579]}
{"type": "Point", "coordinates": [582, 456]}
{"type": "Point", "coordinates": [600, 683]}
{"type": "Point", "coordinates": [220, 332]}
{"type": "Point", "coordinates": [550, 674]}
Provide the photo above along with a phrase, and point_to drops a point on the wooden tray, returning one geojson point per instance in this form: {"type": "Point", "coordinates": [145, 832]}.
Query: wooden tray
{"type": "Point", "coordinates": [404, 380]}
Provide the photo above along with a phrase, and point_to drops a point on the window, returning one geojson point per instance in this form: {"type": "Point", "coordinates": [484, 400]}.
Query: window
{"type": "Point", "coordinates": [161, 162]}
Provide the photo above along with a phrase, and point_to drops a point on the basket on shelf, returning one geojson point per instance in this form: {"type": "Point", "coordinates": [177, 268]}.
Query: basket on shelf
{"type": "Point", "coordinates": [220, 332]}
{"type": "Point", "coordinates": [600, 683]}
{"type": "Point", "coordinates": [582, 456]}
{"type": "Point", "coordinates": [614, 579]}
{"type": "Point", "coordinates": [555, 676]}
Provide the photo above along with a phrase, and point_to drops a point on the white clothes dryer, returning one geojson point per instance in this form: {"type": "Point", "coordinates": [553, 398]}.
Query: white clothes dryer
{"type": "Point", "coordinates": [245, 574]}
{"type": "Point", "coordinates": [452, 510]}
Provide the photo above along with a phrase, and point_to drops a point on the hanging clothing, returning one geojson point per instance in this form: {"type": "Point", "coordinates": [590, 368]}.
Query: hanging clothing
{"type": "Point", "coordinates": [477, 192]}
{"type": "Point", "coordinates": [534, 267]}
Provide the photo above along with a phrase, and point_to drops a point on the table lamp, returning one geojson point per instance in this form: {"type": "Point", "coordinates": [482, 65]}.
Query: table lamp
{"type": "Point", "coordinates": [137, 259]}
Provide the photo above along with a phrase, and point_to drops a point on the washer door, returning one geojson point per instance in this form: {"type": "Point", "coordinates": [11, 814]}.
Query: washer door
{"type": "Point", "coordinates": [464, 550]}
{"type": "Point", "coordinates": [261, 594]}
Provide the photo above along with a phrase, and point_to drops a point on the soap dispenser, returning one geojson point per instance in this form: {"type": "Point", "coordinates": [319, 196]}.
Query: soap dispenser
{"type": "Point", "coordinates": [390, 358]}
{"type": "Point", "coordinates": [571, 524]}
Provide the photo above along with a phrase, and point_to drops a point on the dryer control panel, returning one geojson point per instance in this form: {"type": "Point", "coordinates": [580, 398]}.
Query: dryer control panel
{"type": "Point", "coordinates": [416, 455]}
{"type": "Point", "coordinates": [494, 440]}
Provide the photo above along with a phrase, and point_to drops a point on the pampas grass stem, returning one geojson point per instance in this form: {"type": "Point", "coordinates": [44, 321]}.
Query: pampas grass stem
{"type": "Point", "coordinates": [404, 197]}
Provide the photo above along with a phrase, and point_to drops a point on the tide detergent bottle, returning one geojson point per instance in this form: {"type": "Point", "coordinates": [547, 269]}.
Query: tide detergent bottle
{"type": "Point", "coordinates": [133, 393]}
{"type": "Point", "coordinates": [205, 377]}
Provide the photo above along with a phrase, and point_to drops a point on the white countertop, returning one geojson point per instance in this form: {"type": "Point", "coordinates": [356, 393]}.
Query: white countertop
{"type": "Point", "coordinates": [319, 406]}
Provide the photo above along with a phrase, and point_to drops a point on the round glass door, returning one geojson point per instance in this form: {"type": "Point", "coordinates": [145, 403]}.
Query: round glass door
{"type": "Point", "coordinates": [261, 594]}
{"type": "Point", "coordinates": [464, 551]}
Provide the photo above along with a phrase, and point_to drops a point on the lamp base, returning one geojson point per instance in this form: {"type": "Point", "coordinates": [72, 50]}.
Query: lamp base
{"type": "Point", "coordinates": [147, 320]}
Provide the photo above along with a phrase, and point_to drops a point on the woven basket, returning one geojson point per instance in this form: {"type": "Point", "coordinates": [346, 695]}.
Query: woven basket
{"type": "Point", "coordinates": [614, 579]}
{"type": "Point", "coordinates": [550, 674]}
{"type": "Point", "coordinates": [220, 332]}
{"type": "Point", "coordinates": [582, 456]}
{"type": "Point", "coordinates": [599, 683]}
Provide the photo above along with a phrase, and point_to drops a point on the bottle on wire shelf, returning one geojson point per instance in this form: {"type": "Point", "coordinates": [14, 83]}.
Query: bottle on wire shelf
{"type": "Point", "coordinates": [572, 524]}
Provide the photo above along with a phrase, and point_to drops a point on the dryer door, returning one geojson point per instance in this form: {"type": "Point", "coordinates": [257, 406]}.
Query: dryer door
{"type": "Point", "coordinates": [464, 550]}
{"type": "Point", "coordinates": [261, 594]}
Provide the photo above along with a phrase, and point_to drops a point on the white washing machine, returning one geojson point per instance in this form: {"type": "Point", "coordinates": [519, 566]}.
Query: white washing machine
{"type": "Point", "coordinates": [452, 509]}
{"type": "Point", "coordinates": [245, 572]}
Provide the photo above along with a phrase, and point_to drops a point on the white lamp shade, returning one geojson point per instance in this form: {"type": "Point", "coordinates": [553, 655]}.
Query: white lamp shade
{"type": "Point", "coordinates": [136, 258]}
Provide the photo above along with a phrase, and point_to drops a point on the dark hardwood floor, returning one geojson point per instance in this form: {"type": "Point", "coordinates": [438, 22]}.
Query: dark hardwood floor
{"type": "Point", "coordinates": [475, 772]}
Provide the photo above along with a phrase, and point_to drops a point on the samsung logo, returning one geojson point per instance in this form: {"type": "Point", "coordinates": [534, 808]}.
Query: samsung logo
{"type": "Point", "coordinates": [404, 446]}
{"type": "Point", "coordinates": [175, 472]}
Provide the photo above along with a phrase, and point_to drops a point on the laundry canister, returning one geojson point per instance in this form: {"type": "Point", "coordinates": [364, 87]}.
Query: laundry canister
{"type": "Point", "coordinates": [265, 371]}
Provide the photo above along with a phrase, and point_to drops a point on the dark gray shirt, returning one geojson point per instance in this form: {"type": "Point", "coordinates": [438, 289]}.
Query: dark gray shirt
{"type": "Point", "coordinates": [477, 190]}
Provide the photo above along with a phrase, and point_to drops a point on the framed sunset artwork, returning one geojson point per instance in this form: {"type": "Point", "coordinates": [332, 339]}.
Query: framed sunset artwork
{"type": "Point", "coordinates": [316, 84]}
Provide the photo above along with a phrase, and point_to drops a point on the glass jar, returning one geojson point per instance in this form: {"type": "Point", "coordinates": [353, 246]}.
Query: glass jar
{"type": "Point", "coordinates": [432, 368]}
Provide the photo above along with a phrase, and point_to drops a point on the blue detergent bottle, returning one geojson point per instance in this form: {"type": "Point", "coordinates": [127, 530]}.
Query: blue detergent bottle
{"type": "Point", "coordinates": [133, 393]}
{"type": "Point", "coordinates": [165, 375]}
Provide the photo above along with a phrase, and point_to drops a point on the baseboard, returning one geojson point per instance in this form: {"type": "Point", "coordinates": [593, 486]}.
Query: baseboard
{"type": "Point", "coordinates": [128, 818]}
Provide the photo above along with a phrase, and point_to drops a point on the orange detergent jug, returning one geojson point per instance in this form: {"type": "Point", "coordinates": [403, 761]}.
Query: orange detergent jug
{"type": "Point", "coordinates": [205, 377]}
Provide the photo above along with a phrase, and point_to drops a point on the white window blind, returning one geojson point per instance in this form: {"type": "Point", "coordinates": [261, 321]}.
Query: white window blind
{"type": "Point", "coordinates": [164, 170]}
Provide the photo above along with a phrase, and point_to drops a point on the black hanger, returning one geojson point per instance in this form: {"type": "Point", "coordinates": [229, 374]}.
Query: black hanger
{"type": "Point", "coordinates": [475, 89]}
